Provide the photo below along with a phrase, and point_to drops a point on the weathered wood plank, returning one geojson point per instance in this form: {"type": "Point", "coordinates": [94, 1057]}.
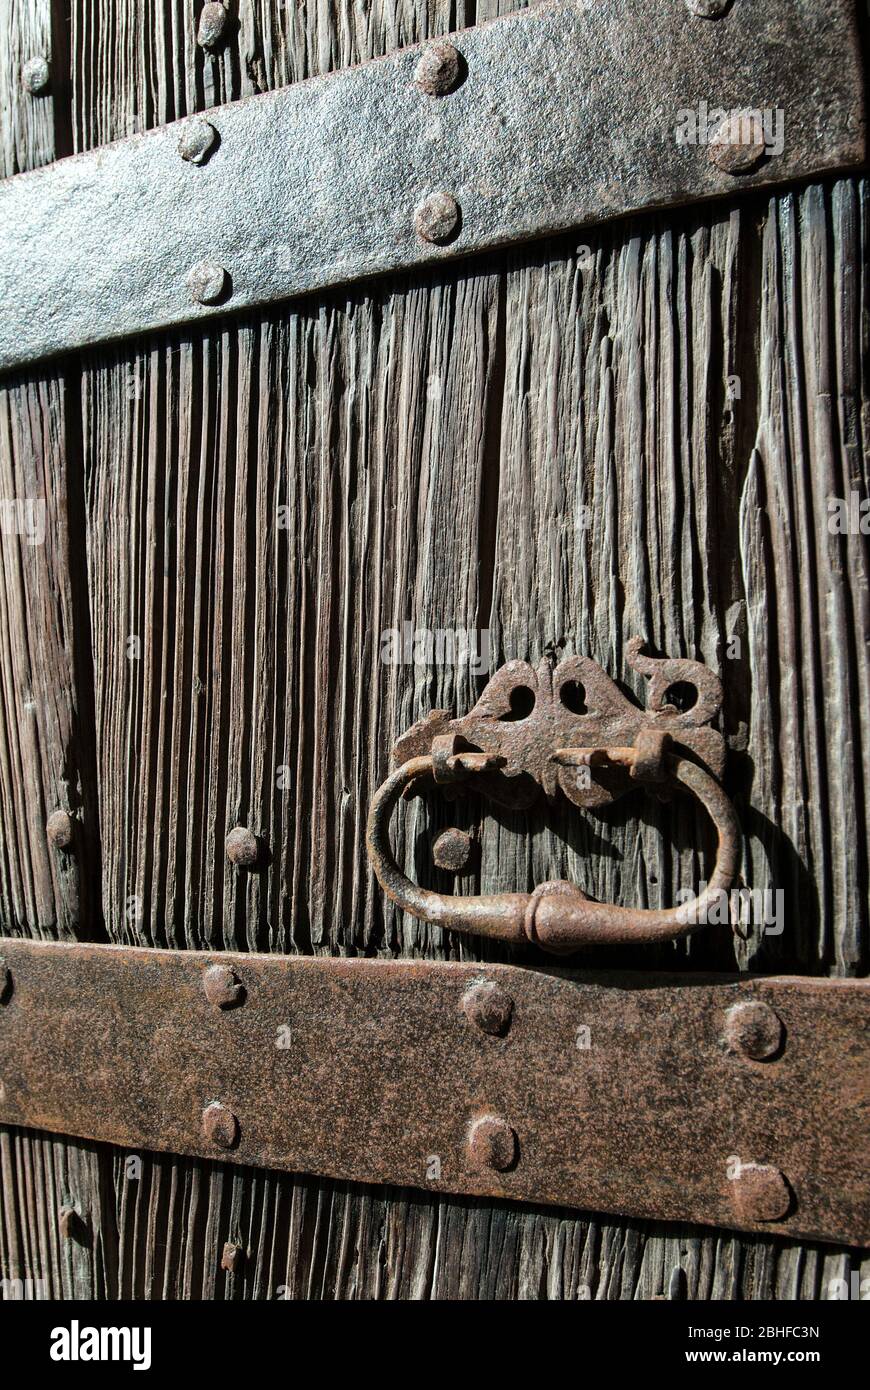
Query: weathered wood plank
{"type": "Point", "coordinates": [434, 445]}
{"type": "Point", "coordinates": [29, 135]}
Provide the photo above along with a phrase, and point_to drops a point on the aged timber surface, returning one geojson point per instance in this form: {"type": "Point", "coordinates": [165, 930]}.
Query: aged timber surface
{"type": "Point", "coordinates": [632, 431]}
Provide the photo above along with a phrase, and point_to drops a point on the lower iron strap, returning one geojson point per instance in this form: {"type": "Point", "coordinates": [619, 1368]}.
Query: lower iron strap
{"type": "Point", "coordinates": [731, 1102]}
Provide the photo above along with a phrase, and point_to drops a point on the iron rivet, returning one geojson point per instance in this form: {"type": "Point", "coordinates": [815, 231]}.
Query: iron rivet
{"type": "Point", "coordinates": [222, 987]}
{"type": "Point", "coordinates": [220, 1126]}
{"type": "Point", "coordinates": [489, 1007]}
{"type": "Point", "coordinates": [5, 981]}
{"type": "Point", "coordinates": [738, 144]}
{"type": "Point", "coordinates": [492, 1143]}
{"type": "Point", "coordinates": [206, 282]}
{"type": "Point", "coordinates": [197, 141]}
{"type": "Point", "coordinates": [760, 1193]}
{"type": "Point", "coordinates": [754, 1030]}
{"type": "Point", "coordinates": [232, 1257]}
{"type": "Point", "coordinates": [70, 1224]}
{"type": "Point", "coordinates": [35, 75]}
{"type": "Point", "coordinates": [707, 9]}
{"type": "Point", "coordinates": [437, 218]}
{"type": "Point", "coordinates": [60, 830]}
{"type": "Point", "coordinates": [438, 70]}
{"type": "Point", "coordinates": [213, 25]}
{"type": "Point", "coordinates": [242, 847]}
{"type": "Point", "coordinates": [452, 850]}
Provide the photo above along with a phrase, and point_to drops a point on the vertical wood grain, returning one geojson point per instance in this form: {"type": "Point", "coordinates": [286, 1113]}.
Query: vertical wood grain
{"type": "Point", "coordinates": [542, 445]}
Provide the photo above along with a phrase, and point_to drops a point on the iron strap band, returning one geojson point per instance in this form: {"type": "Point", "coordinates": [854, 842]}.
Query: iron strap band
{"type": "Point", "coordinates": [730, 1102]}
{"type": "Point", "coordinates": [563, 115]}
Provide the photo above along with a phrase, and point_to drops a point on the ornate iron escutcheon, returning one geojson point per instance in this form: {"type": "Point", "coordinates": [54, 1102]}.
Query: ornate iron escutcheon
{"type": "Point", "coordinates": [570, 730]}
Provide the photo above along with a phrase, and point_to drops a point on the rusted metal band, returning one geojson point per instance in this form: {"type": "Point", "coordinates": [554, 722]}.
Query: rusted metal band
{"type": "Point", "coordinates": [564, 115]}
{"type": "Point", "coordinates": [738, 1103]}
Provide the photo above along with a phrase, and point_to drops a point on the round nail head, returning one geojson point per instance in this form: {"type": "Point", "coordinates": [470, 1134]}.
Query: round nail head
{"type": "Point", "coordinates": [222, 987]}
{"type": "Point", "coordinates": [753, 1030]}
{"type": "Point", "coordinates": [35, 75]}
{"type": "Point", "coordinates": [738, 145]}
{"type": "Point", "coordinates": [437, 72]}
{"type": "Point", "coordinates": [197, 141]}
{"type": "Point", "coordinates": [489, 1008]}
{"type": "Point", "coordinates": [492, 1143]}
{"type": "Point", "coordinates": [206, 282]}
{"type": "Point", "coordinates": [59, 829]}
{"type": "Point", "coordinates": [760, 1193]}
{"type": "Point", "coordinates": [213, 25]}
{"type": "Point", "coordinates": [220, 1126]}
{"type": "Point", "coordinates": [242, 847]}
{"type": "Point", "coordinates": [452, 851]}
{"type": "Point", "coordinates": [437, 218]}
{"type": "Point", "coordinates": [707, 9]}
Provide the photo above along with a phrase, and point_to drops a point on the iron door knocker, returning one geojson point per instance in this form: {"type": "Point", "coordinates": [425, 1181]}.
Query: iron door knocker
{"type": "Point", "coordinates": [581, 737]}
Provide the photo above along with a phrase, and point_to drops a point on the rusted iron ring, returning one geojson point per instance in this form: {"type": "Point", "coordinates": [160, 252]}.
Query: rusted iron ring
{"type": "Point", "coordinates": [557, 916]}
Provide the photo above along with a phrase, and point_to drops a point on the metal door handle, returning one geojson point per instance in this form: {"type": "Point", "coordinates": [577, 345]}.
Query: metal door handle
{"type": "Point", "coordinates": [512, 759]}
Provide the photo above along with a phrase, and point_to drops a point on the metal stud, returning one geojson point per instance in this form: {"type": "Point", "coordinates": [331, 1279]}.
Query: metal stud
{"type": "Point", "coordinates": [198, 139]}
{"type": "Point", "coordinates": [759, 1192]}
{"type": "Point", "coordinates": [492, 1143]}
{"type": "Point", "coordinates": [220, 1126]}
{"type": "Point", "coordinates": [71, 1225]}
{"type": "Point", "coordinates": [35, 75]}
{"type": "Point", "coordinates": [60, 830]}
{"type": "Point", "coordinates": [707, 9]}
{"type": "Point", "coordinates": [206, 282]}
{"type": "Point", "coordinates": [753, 1030]}
{"type": "Point", "coordinates": [437, 72]}
{"type": "Point", "coordinates": [231, 1257]}
{"type": "Point", "coordinates": [738, 145]}
{"type": "Point", "coordinates": [242, 847]}
{"type": "Point", "coordinates": [437, 218]}
{"type": "Point", "coordinates": [214, 23]}
{"type": "Point", "coordinates": [452, 850]}
{"type": "Point", "coordinates": [489, 1008]}
{"type": "Point", "coordinates": [222, 987]}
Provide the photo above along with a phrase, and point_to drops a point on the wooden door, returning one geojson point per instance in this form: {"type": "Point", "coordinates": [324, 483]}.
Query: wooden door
{"type": "Point", "coordinates": [634, 429]}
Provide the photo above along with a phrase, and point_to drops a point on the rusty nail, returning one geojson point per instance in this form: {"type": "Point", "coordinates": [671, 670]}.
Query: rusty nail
{"type": "Point", "coordinates": [437, 218]}
{"type": "Point", "coordinates": [437, 72]}
{"type": "Point", "coordinates": [489, 1007]}
{"type": "Point", "coordinates": [59, 829]}
{"type": "Point", "coordinates": [222, 987]}
{"type": "Point", "coordinates": [35, 75]}
{"type": "Point", "coordinates": [5, 981]}
{"type": "Point", "coordinates": [754, 1030]}
{"type": "Point", "coordinates": [206, 282]}
{"type": "Point", "coordinates": [70, 1224]}
{"type": "Point", "coordinates": [197, 141]}
{"type": "Point", "coordinates": [738, 144]}
{"type": "Point", "coordinates": [242, 848]}
{"type": "Point", "coordinates": [492, 1143]}
{"type": "Point", "coordinates": [213, 25]}
{"type": "Point", "coordinates": [231, 1257]}
{"type": "Point", "coordinates": [707, 9]}
{"type": "Point", "coordinates": [452, 850]}
{"type": "Point", "coordinates": [219, 1125]}
{"type": "Point", "coordinates": [760, 1193]}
